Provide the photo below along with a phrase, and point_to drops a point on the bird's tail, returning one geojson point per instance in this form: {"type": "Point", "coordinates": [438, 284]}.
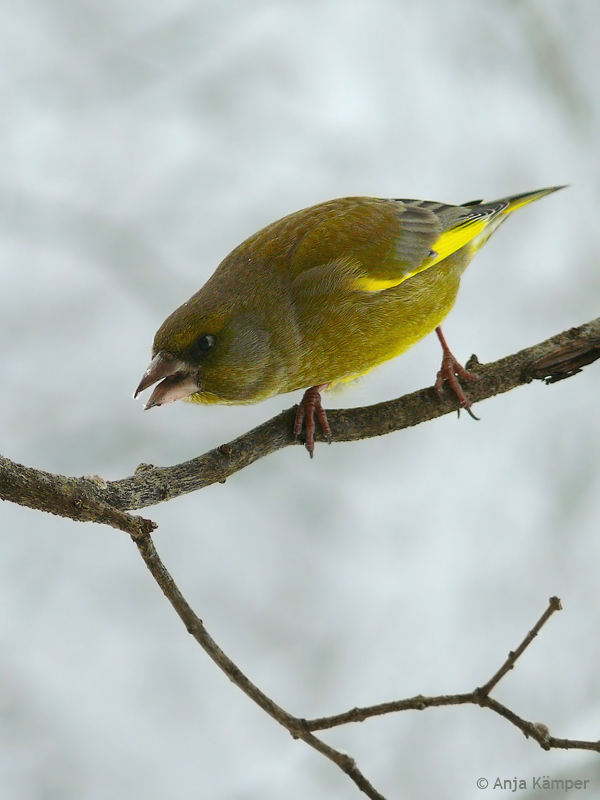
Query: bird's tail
{"type": "Point", "coordinates": [475, 224]}
{"type": "Point", "coordinates": [498, 211]}
{"type": "Point", "coordinates": [520, 200]}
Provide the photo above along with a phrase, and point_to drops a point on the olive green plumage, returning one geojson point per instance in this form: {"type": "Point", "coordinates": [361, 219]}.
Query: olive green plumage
{"type": "Point", "coordinates": [320, 297]}
{"type": "Point", "coordinates": [284, 311]}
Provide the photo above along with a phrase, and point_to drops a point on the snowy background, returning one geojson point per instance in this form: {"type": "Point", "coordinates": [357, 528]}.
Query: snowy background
{"type": "Point", "coordinates": [139, 143]}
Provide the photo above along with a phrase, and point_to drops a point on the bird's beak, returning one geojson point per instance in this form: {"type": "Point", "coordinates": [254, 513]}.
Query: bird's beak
{"type": "Point", "coordinates": [176, 382]}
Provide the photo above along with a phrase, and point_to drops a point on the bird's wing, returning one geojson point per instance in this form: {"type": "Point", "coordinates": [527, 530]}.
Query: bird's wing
{"type": "Point", "coordinates": [457, 226]}
{"type": "Point", "coordinates": [355, 242]}
{"type": "Point", "coordinates": [368, 244]}
{"type": "Point", "coordinates": [471, 224]}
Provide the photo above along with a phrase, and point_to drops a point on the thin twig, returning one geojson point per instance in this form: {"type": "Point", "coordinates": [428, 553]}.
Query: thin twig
{"type": "Point", "coordinates": [479, 696]}
{"type": "Point", "coordinates": [553, 606]}
{"type": "Point", "coordinates": [304, 728]}
{"type": "Point", "coordinates": [194, 625]}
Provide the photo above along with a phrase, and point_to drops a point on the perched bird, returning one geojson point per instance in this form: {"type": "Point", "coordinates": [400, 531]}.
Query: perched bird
{"type": "Point", "coordinates": [320, 297]}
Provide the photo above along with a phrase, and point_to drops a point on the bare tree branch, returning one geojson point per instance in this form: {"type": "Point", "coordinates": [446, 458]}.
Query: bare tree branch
{"type": "Point", "coordinates": [195, 627]}
{"type": "Point", "coordinates": [95, 500]}
{"type": "Point", "coordinates": [557, 358]}
{"type": "Point", "coordinates": [74, 498]}
{"type": "Point", "coordinates": [479, 696]}
{"type": "Point", "coordinates": [304, 728]}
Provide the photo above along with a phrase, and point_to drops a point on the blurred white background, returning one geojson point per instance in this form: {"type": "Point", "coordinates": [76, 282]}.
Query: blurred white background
{"type": "Point", "coordinates": [142, 141]}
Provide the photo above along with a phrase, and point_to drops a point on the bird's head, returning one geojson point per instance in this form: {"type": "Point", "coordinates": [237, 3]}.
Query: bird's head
{"type": "Point", "coordinates": [208, 352]}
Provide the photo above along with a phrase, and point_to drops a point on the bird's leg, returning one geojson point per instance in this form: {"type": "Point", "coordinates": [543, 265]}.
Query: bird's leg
{"type": "Point", "coordinates": [451, 371]}
{"type": "Point", "coordinates": [307, 408]}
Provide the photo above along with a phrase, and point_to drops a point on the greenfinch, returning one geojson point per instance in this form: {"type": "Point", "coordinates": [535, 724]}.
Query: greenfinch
{"type": "Point", "coordinates": [321, 297]}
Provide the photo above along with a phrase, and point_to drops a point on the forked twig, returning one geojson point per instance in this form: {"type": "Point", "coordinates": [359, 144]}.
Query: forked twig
{"type": "Point", "coordinates": [304, 729]}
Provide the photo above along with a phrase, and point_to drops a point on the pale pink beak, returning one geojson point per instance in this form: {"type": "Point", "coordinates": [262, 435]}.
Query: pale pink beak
{"type": "Point", "coordinates": [176, 383]}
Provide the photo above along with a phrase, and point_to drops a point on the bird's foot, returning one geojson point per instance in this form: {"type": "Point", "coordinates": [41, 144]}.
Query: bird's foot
{"type": "Point", "coordinates": [451, 370]}
{"type": "Point", "coordinates": [308, 407]}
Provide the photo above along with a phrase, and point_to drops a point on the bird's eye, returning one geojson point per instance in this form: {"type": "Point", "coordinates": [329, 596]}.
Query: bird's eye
{"type": "Point", "coordinates": [205, 343]}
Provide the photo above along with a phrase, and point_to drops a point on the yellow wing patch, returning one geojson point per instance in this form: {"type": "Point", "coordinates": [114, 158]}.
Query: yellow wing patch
{"type": "Point", "coordinates": [449, 242]}
{"type": "Point", "coordinates": [452, 240]}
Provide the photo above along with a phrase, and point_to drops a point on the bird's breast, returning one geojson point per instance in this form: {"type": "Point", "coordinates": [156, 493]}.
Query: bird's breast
{"type": "Point", "coordinates": [347, 334]}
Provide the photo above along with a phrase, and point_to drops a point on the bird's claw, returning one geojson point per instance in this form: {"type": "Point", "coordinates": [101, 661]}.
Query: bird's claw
{"type": "Point", "coordinates": [308, 407]}
{"type": "Point", "coordinates": [450, 371]}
